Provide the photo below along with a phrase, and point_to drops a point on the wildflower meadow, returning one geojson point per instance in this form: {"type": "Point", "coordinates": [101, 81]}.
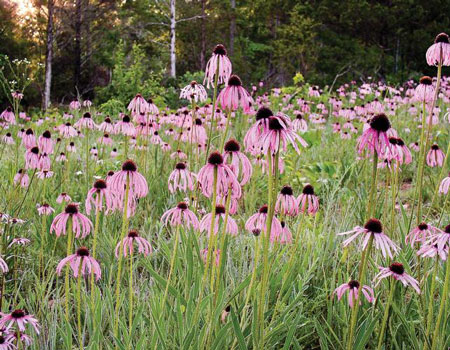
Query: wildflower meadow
{"type": "Point", "coordinates": [248, 217]}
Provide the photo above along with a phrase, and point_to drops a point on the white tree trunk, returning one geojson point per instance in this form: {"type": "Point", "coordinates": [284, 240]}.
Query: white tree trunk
{"type": "Point", "coordinates": [173, 56]}
{"type": "Point", "coordinates": [48, 57]}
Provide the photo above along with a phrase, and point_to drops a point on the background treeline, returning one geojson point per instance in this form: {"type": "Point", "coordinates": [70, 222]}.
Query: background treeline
{"type": "Point", "coordinates": [108, 49]}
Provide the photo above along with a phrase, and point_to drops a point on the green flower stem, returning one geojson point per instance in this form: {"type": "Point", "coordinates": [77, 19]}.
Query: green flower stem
{"type": "Point", "coordinates": [386, 314]}
{"type": "Point", "coordinates": [119, 269]}
{"type": "Point", "coordinates": [171, 268]}
{"type": "Point", "coordinates": [130, 298]}
{"type": "Point", "coordinates": [213, 116]}
{"type": "Point", "coordinates": [445, 293]}
{"type": "Point", "coordinates": [80, 334]}
{"type": "Point", "coordinates": [430, 303]}
{"type": "Point", "coordinates": [66, 282]}
{"type": "Point", "coordinates": [362, 275]}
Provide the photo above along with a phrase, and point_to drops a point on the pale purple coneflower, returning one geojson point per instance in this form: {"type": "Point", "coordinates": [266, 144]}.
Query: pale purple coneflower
{"type": "Point", "coordinates": [138, 105]}
{"type": "Point", "coordinates": [180, 215]}
{"type": "Point", "coordinates": [20, 319]}
{"type": "Point", "coordinates": [253, 136]}
{"type": "Point", "coordinates": [440, 47]}
{"type": "Point", "coordinates": [441, 238]}
{"type": "Point", "coordinates": [125, 127]}
{"type": "Point", "coordinates": [234, 96]}
{"type": "Point", "coordinates": [8, 116]}
{"type": "Point", "coordinates": [127, 243]}
{"type": "Point", "coordinates": [435, 156]}
{"type": "Point", "coordinates": [231, 227]}
{"type": "Point", "coordinates": [3, 266]}
{"type": "Point", "coordinates": [286, 202]}
{"type": "Point", "coordinates": [308, 201]}
{"type": "Point", "coordinates": [75, 105]}
{"type": "Point", "coordinates": [226, 179]}
{"type": "Point", "coordinates": [216, 256]}
{"type": "Point", "coordinates": [19, 241]}
{"type": "Point", "coordinates": [21, 178]}
{"type": "Point", "coordinates": [29, 139]}
{"type": "Point", "coordinates": [137, 183]}
{"type": "Point", "coordinates": [85, 122]}
{"type": "Point", "coordinates": [299, 123]}
{"type": "Point", "coordinates": [8, 139]}
{"type": "Point", "coordinates": [194, 91]}
{"type": "Point", "coordinates": [421, 234]}
{"type": "Point", "coordinates": [98, 194]}
{"type": "Point", "coordinates": [375, 137]}
{"type": "Point", "coordinates": [373, 227]}
{"type": "Point", "coordinates": [284, 236]}
{"type": "Point", "coordinates": [279, 134]}
{"type": "Point", "coordinates": [81, 263]}
{"type": "Point", "coordinates": [81, 225]}
{"type": "Point", "coordinates": [7, 341]}
{"type": "Point", "coordinates": [433, 250]}
{"type": "Point", "coordinates": [45, 142]}
{"type": "Point", "coordinates": [181, 179]}
{"type": "Point", "coordinates": [63, 197]}
{"type": "Point", "coordinates": [257, 223]}
{"type": "Point", "coordinates": [105, 140]}
{"type": "Point", "coordinates": [424, 91]}
{"type": "Point", "coordinates": [352, 287]}
{"type": "Point", "coordinates": [240, 164]}
{"type": "Point", "coordinates": [45, 209]}
{"type": "Point", "coordinates": [178, 154]}
{"type": "Point", "coordinates": [397, 271]}
{"type": "Point", "coordinates": [445, 185]}
{"type": "Point", "coordinates": [218, 63]}
{"type": "Point", "coordinates": [32, 158]}
{"type": "Point", "coordinates": [106, 125]}
{"type": "Point", "coordinates": [67, 130]}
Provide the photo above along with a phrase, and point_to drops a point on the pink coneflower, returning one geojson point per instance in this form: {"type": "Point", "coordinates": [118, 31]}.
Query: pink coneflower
{"type": "Point", "coordinates": [215, 256]}
{"type": "Point", "coordinates": [178, 154]}
{"type": "Point", "coordinates": [81, 262]}
{"type": "Point", "coordinates": [63, 197]}
{"type": "Point", "coordinates": [44, 174]}
{"type": "Point", "coordinates": [165, 147]}
{"type": "Point", "coordinates": [28, 139]}
{"type": "Point", "coordinates": [397, 271]}
{"type": "Point", "coordinates": [67, 130]}
{"type": "Point", "coordinates": [279, 134]}
{"type": "Point", "coordinates": [127, 243]}
{"type": "Point", "coordinates": [22, 178]}
{"type": "Point", "coordinates": [106, 125]}
{"type": "Point", "coordinates": [105, 140]}
{"type": "Point", "coordinates": [308, 200]}
{"type": "Point", "coordinates": [194, 91]}
{"type": "Point", "coordinates": [345, 135]}
{"type": "Point", "coordinates": [372, 227]}
{"type": "Point", "coordinates": [7, 341]}
{"type": "Point", "coordinates": [226, 179]}
{"type": "Point", "coordinates": [375, 138]}
{"type": "Point", "coordinates": [180, 215]}
{"type": "Point", "coordinates": [240, 164]}
{"type": "Point", "coordinates": [81, 225]}
{"type": "Point", "coordinates": [403, 155]}
{"type": "Point", "coordinates": [8, 139]}
{"type": "Point", "coordinates": [45, 209]}
{"type": "Point", "coordinates": [352, 287]}
{"type": "Point", "coordinates": [435, 156]}
{"type": "Point", "coordinates": [231, 227]}
{"type": "Point", "coordinates": [234, 96]}
{"type": "Point", "coordinates": [433, 250]}
{"type": "Point", "coordinates": [8, 116]}
{"type": "Point", "coordinates": [299, 124]}
{"type": "Point", "coordinates": [220, 63]}
{"type": "Point", "coordinates": [20, 242]}
{"type": "Point", "coordinates": [20, 319]}
{"type": "Point", "coordinates": [156, 139]}
{"type": "Point", "coordinates": [98, 194]}
{"type": "Point", "coordinates": [424, 91]}
{"type": "Point", "coordinates": [445, 185]}
{"type": "Point", "coordinates": [125, 127]}
{"type": "Point", "coordinates": [440, 47]}
{"type": "Point", "coordinates": [284, 237]}
{"type": "Point", "coordinates": [45, 142]}
{"type": "Point", "coordinates": [257, 223]}
{"type": "Point", "coordinates": [421, 234]}
{"type": "Point", "coordinates": [17, 95]}
{"type": "Point", "coordinates": [75, 105]}
{"type": "Point", "coordinates": [138, 184]}
{"type": "Point", "coordinates": [44, 161]}
{"type": "Point", "coordinates": [442, 238]}
{"type": "Point", "coordinates": [336, 127]}
{"type": "Point", "coordinates": [71, 147]}
{"type": "Point", "coordinates": [152, 108]}
{"type": "Point", "coordinates": [85, 122]}
{"type": "Point", "coordinates": [138, 105]}
{"type": "Point", "coordinates": [198, 133]}
{"type": "Point", "coordinates": [253, 136]}
{"type": "Point", "coordinates": [3, 266]}
{"type": "Point", "coordinates": [87, 103]}
{"type": "Point", "coordinates": [113, 153]}
{"type": "Point", "coordinates": [32, 158]}
{"type": "Point", "coordinates": [286, 203]}
{"type": "Point", "coordinates": [414, 146]}
{"type": "Point", "coordinates": [181, 179]}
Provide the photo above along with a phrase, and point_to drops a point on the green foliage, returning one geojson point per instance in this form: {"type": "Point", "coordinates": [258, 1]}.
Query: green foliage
{"type": "Point", "coordinates": [130, 76]}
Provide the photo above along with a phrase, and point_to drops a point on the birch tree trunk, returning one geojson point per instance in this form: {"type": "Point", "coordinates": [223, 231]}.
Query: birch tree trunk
{"type": "Point", "coordinates": [48, 57]}
{"type": "Point", "coordinates": [232, 27]}
{"type": "Point", "coordinates": [77, 51]}
{"type": "Point", "coordinates": [173, 56]}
